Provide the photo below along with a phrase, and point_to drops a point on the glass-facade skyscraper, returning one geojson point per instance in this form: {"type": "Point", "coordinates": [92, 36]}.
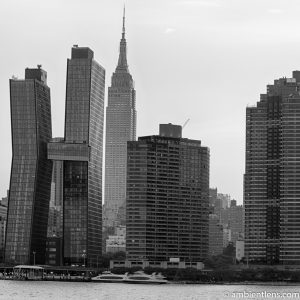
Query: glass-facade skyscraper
{"type": "Point", "coordinates": [120, 128]}
{"type": "Point", "coordinates": [81, 153]}
{"type": "Point", "coordinates": [271, 182]}
{"type": "Point", "coordinates": [30, 180]}
{"type": "Point", "coordinates": [167, 209]}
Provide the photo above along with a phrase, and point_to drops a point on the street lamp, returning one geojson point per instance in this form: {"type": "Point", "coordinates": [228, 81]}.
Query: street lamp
{"type": "Point", "coordinates": [34, 257]}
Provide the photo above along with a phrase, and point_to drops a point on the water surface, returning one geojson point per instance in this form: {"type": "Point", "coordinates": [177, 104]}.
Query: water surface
{"type": "Point", "coordinates": [49, 290]}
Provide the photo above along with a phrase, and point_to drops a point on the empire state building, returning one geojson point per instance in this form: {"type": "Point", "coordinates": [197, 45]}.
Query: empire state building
{"type": "Point", "coordinates": [120, 128]}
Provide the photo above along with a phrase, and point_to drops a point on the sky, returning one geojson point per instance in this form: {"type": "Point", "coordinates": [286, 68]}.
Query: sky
{"type": "Point", "coordinates": [203, 60]}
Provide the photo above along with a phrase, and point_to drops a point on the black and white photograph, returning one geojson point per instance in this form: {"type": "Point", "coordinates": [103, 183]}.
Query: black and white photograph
{"type": "Point", "coordinates": [150, 150]}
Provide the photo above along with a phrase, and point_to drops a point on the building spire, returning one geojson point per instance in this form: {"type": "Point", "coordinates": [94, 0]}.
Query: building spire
{"type": "Point", "coordinates": [123, 29]}
{"type": "Point", "coordinates": [122, 62]}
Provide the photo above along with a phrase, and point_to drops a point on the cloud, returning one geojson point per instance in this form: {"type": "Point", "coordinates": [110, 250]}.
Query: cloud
{"type": "Point", "coordinates": [169, 30]}
{"type": "Point", "coordinates": [205, 3]}
{"type": "Point", "coordinates": [275, 11]}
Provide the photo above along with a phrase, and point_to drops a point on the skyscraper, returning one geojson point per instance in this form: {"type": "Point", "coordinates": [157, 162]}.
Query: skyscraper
{"type": "Point", "coordinates": [81, 151]}
{"type": "Point", "coordinates": [167, 210]}
{"type": "Point", "coordinates": [236, 221]}
{"type": "Point", "coordinates": [120, 128]}
{"type": "Point", "coordinates": [215, 236]}
{"type": "Point", "coordinates": [271, 182]}
{"type": "Point", "coordinates": [30, 180]}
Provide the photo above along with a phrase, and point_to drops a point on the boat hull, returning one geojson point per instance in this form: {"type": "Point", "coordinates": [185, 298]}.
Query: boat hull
{"type": "Point", "coordinates": [107, 280]}
{"type": "Point", "coordinates": [144, 281]}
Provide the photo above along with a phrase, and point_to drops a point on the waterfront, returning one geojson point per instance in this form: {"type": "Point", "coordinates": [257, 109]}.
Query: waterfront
{"type": "Point", "coordinates": [40, 290]}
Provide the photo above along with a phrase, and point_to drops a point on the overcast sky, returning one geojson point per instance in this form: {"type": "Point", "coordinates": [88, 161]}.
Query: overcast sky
{"type": "Point", "coordinates": [205, 60]}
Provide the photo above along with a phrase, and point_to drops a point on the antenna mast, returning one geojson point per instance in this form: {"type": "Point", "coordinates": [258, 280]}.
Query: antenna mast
{"type": "Point", "coordinates": [185, 123]}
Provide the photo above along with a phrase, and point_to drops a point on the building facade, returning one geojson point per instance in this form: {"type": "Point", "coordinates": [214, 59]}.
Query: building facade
{"type": "Point", "coordinates": [30, 180]}
{"type": "Point", "coordinates": [224, 199]}
{"type": "Point", "coordinates": [156, 264]}
{"type": "Point", "coordinates": [55, 219]}
{"type": "Point", "coordinates": [81, 153]}
{"type": "Point", "coordinates": [54, 251]}
{"type": "Point", "coordinates": [215, 236]}
{"type": "Point", "coordinates": [213, 193]}
{"type": "Point", "coordinates": [167, 211]}
{"type": "Point", "coordinates": [3, 219]}
{"type": "Point", "coordinates": [117, 242]}
{"type": "Point", "coordinates": [226, 236]}
{"type": "Point", "coordinates": [120, 128]}
{"type": "Point", "coordinates": [271, 193]}
{"type": "Point", "coordinates": [236, 221]}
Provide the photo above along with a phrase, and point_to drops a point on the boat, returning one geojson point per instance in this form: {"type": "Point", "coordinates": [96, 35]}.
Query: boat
{"type": "Point", "coordinates": [141, 277]}
{"type": "Point", "coordinates": [107, 276]}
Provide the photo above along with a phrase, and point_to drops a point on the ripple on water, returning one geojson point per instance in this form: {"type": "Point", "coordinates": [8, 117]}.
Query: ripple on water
{"type": "Point", "coordinates": [16, 290]}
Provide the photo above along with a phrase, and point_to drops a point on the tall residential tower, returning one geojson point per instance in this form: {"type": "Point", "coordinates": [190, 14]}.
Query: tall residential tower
{"type": "Point", "coordinates": [30, 180]}
{"type": "Point", "coordinates": [120, 128]}
{"type": "Point", "coordinates": [272, 180]}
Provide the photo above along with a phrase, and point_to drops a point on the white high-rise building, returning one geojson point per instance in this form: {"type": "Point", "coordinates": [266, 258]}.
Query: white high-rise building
{"type": "Point", "coordinates": [120, 128]}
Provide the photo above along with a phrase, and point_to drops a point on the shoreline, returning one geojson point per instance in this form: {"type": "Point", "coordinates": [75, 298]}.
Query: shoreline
{"type": "Point", "coordinates": [182, 282]}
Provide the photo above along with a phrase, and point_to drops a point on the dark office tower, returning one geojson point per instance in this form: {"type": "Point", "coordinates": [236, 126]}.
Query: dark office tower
{"type": "Point", "coordinates": [167, 210]}
{"type": "Point", "coordinates": [81, 152]}
{"type": "Point", "coordinates": [30, 179]}
{"type": "Point", "coordinates": [271, 183]}
{"type": "Point", "coordinates": [120, 128]}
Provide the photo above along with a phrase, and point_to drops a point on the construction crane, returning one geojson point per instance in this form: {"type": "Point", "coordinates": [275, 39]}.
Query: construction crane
{"type": "Point", "coordinates": [185, 123]}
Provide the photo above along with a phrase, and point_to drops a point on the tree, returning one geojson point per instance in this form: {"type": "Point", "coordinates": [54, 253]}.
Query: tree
{"type": "Point", "coordinates": [120, 255]}
{"type": "Point", "coordinates": [229, 250]}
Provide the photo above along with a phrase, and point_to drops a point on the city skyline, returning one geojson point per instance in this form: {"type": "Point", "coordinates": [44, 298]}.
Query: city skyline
{"type": "Point", "coordinates": [225, 53]}
{"type": "Point", "coordinates": [91, 189]}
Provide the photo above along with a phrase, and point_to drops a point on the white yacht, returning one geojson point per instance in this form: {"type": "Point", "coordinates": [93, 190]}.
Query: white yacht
{"type": "Point", "coordinates": [107, 276]}
{"type": "Point", "coordinates": [141, 277]}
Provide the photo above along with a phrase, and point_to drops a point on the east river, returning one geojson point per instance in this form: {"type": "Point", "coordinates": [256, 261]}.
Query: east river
{"type": "Point", "coordinates": [49, 290]}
